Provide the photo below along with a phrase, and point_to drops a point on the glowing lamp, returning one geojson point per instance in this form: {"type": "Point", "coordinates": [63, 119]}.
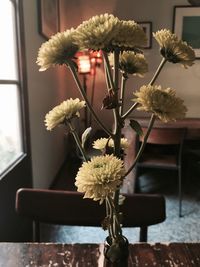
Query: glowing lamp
{"type": "Point", "coordinates": [84, 64]}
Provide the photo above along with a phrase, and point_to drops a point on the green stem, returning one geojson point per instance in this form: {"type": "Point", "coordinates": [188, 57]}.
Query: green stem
{"type": "Point", "coordinates": [117, 126]}
{"type": "Point", "coordinates": [117, 224]}
{"type": "Point", "coordinates": [111, 231]}
{"type": "Point", "coordinates": [118, 228]}
{"type": "Point", "coordinates": [108, 70]}
{"type": "Point", "coordinates": [116, 70]}
{"type": "Point", "coordinates": [122, 93]}
{"type": "Point", "coordinates": [115, 219]}
{"type": "Point", "coordinates": [116, 81]}
{"type": "Point", "coordinates": [161, 65]}
{"type": "Point", "coordinates": [130, 110]}
{"type": "Point", "coordinates": [78, 142]}
{"type": "Point", "coordinates": [117, 142]}
{"type": "Point", "coordinates": [106, 76]}
{"type": "Point", "coordinates": [85, 98]}
{"type": "Point", "coordinates": [108, 215]}
{"type": "Point", "coordinates": [151, 122]}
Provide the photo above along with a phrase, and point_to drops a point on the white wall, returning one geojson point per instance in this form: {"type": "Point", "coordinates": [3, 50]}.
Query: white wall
{"type": "Point", "coordinates": [44, 92]}
{"type": "Point", "coordinates": [160, 13]}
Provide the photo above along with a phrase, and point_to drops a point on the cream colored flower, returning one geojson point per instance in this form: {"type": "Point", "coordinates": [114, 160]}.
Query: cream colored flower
{"type": "Point", "coordinates": [100, 177]}
{"type": "Point", "coordinates": [133, 63]}
{"type": "Point", "coordinates": [57, 50]}
{"type": "Point", "coordinates": [162, 102]}
{"type": "Point", "coordinates": [65, 111]}
{"type": "Point", "coordinates": [129, 36]}
{"type": "Point", "coordinates": [102, 142]}
{"type": "Point", "coordinates": [97, 32]}
{"type": "Point", "coordinates": [173, 49]}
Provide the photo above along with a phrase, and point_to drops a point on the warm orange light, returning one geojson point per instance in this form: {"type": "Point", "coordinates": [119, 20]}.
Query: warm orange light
{"type": "Point", "coordinates": [88, 61]}
{"type": "Point", "coordinates": [84, 64]}
{"type": "Point", "coordinates": [96, 58]}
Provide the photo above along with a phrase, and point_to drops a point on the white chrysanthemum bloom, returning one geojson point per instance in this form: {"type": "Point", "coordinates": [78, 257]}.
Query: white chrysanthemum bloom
{"type": "Point", "coordinates": [65, 111]}
{"type": "Point", "coordinates": [173, 49]}
{"type": "Point", "coordinates": [130, 35]}
{"type": "Point", "coordinates": [97, 32]}
{"type": "Point", "coordinates": [162, 102]}
{"type": "Point", "coordinates": [100, 177]}
{"type": "Point", "coordinates": [102, 142]}
{"type": "Point", "coordinates": [57, 50]}
{"type": "Point", "coordinates": [133, 63]}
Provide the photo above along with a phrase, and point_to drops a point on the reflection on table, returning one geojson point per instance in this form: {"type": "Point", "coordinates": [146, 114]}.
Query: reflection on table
{"type": "Point", "coordinates": [82, 255]}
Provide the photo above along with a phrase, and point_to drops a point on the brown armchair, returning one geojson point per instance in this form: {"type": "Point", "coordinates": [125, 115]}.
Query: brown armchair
{"type": "Point", "coordinates": [69, 208]}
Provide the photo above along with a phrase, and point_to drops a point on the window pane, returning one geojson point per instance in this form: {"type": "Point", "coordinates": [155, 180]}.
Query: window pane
{"type": "Point", "coordinates": [8, 69]}
{"type": "Point", "coordinates": [10, 126]}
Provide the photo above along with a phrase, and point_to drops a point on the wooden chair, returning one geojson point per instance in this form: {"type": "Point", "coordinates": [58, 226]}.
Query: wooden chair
{"type": "Point", "coordinates": [164, 151]}
{"type": "Point", "coordinates": [69, 208]}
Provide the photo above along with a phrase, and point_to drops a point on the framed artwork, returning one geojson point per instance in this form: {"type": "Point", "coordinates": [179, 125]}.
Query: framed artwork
{"type": "Point", "coordinates": [147, 27]}
{"type": "Point", "coordinates": [186, 25]}
{"type": "Point", "coordinates": [49, 17]}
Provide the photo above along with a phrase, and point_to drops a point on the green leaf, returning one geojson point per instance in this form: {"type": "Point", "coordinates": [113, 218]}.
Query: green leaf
{"type": "Point", "coordinates": [136, 127]}
{"type": "Point", "coordinates": [85, 135]}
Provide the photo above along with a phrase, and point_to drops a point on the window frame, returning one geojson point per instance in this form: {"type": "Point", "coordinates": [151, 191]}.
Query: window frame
{"type": "Point", "coordinates": [21, 84]}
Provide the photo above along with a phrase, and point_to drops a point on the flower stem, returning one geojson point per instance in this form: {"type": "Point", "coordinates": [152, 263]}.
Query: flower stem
{"type": "Point", "coordinates": [122, 93]}
{"type": "Point", "coordinates": [130, 110]}
{"type": "Point", "coordinates": [111, 226]}
{"type": "Point", "coordinates": [117, 126]}
{"type": "Point", "coordinates": [151, 122]}
{"type": "Point", "coordinates": [86, 99]}
{"type": "Point", "coordinates": [78, 142]}
{"type": "Point", "coordinates": [115, 219]}
{"type": "Point", "coordinates": [106, 76]}
{"type": "Point", "coordinates": [116, 70]}
{"type": "Point", "coordinates": [108, 70]}
{"type": "Point", "coordinates": [161, 65]}
{"type": "Point", "coordinates": [108, 215]}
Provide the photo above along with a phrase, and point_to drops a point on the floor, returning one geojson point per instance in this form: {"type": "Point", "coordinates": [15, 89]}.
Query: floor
{"type": "Point", "coordinates": [185, 229]}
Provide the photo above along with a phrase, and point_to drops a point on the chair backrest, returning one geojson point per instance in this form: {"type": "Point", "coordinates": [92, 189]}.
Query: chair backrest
{"type": "Point", "coordinates": [167, 141]}
{"type": "Point", "coordinates": [165, 136]}
{"type": "Point", "coordinates": [69, 208]}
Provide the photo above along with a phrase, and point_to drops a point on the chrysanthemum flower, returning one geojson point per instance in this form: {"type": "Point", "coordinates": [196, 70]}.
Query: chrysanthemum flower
{"type": "Point", "coordinates": [57, 50]}
{"type": "Point", "coordinates": [102, 142]}
{"type": "Point", "coordinates": [133, 63]}
{"type": "Point", "coordinates": [162, 102]}
{"type": "Point", "coordinates": [173, 49]}
{"type": "Point", "coordinates": [97, 32]}
{"type": "Point", "coordinates": [100, 177]}
{"type": "Point", "coordinates": [130, 35]}
{"type": "Point", "coordinates": [65, 111]}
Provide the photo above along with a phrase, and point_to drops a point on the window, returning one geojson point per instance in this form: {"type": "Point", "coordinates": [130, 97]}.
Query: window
{"type": "Point", "coordinates": [11, 145]}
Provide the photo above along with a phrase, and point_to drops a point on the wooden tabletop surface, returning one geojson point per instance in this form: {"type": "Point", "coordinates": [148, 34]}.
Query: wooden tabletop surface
{"type": "Point", "coordinates": [82, 255]}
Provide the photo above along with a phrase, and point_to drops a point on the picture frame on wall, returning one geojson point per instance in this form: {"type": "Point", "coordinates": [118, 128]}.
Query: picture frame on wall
{"type": "Point", "coordinates": [147, 27]}
{"type": "Point", "coordinates": [49, 17]}
{"type": "Point", "coordinates": [186, 25]}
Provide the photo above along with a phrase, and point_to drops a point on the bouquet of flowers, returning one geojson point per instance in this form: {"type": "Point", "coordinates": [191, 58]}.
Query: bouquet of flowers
{"type": "Point", "coordinates": [120, 42]}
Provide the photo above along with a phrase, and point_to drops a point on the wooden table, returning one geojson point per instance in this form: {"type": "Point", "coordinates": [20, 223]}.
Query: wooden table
{"type": "Point", "coordinates": [82, 255]}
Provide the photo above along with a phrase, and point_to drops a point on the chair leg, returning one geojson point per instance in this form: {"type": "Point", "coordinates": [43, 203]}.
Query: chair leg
{"type": "Point", "coordinates": [143, 233]}
{"type": "Point", "coordinates": [36, 231]}
{"type": "Point", "coordinates": [180, 191]}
